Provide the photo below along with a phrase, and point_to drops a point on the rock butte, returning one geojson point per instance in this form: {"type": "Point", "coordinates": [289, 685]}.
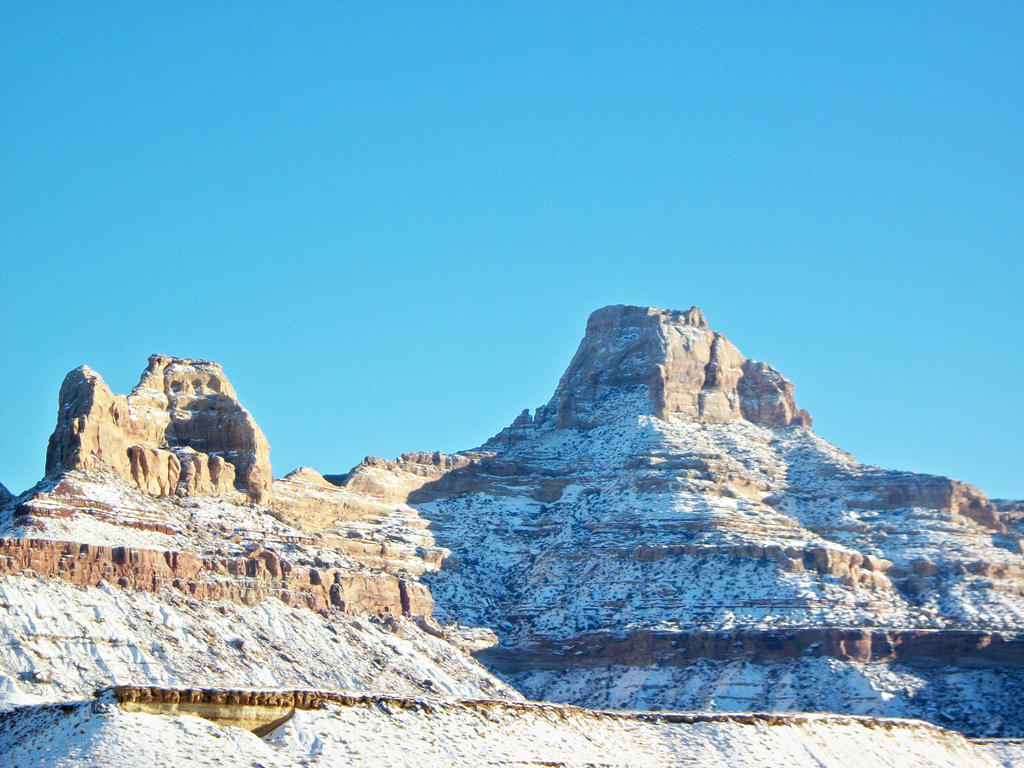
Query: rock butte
{"type": "Point", "coordinates": [180, 432]}
{"type": "Point", "coordinates": [665, 532]}
{"type": "Point", "coordinates": [687, 369]}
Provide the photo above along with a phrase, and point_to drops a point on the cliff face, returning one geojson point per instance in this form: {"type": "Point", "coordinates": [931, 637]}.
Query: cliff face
{"type": "Point", "coordinates": [180, 432]}
{"type": "Point", "coordinates": [685, 369]}
{"type": "Point", "coordinates": [667, 531]}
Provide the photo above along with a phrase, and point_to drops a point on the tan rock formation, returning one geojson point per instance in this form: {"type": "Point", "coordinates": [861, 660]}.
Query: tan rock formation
{"type": "Point", "coordinates": [313, 503]}
{"type": "Point", "coordinates": [180, 432]}
{"type": "Point", "coordinates": [392, 481]}
{"type": "Point", "coordinates": [246, 580]}
{"type": "Point", "coordinates": [686, 368]}
{"type": "Point", "coordinates": [92, 424]}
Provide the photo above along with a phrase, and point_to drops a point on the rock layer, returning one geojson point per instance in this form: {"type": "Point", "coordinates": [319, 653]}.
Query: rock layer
{"type": "Point", "coordinates": [259, 575]}
{"type": "Point", "coordinates": [181, 431]}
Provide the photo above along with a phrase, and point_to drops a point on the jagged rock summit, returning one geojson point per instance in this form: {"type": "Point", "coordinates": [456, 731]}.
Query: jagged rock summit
{"type": "Point", "coordinates": [158, 548]}
{"type": "Point", "coordinates": [180, 432]}
{"type": "Point", "coordinates": [683, 367]}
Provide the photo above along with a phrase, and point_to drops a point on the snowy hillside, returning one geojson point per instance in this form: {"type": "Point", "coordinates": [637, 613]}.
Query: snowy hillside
{"type": "Point", "coordinates": [706, 549]}
{"type": "Point", "coordinates": [436, 733]}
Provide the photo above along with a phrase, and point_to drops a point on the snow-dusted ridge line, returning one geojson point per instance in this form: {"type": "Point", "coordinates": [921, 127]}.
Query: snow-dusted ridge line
{"type": "Point", "coordinates": [127, 695]}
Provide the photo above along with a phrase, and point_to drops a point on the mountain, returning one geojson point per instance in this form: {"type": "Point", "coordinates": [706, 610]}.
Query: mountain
{"type": "Point", "coordinates": [159, 550]}
{"type": "Point", "coordinates": [668, 532]}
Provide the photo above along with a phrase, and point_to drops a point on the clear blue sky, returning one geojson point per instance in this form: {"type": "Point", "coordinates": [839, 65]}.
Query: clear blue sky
{"type": "Point", "coordinates": [389, 221]}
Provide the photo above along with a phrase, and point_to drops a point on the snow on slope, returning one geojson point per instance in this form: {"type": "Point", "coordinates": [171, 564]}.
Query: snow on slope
{"type": "Point", "coordinates": [675, 525]}
{"type": "Point", "coordinates": [975, 700]}
{"type": "Point", "coordinates": [442, 734]}
{"type": "Point", "coordinates": [567, 566]}
{"type": "Point", "coordinates": [1009, 753]}
{"type": "Point", "coordinates": [63, 641]}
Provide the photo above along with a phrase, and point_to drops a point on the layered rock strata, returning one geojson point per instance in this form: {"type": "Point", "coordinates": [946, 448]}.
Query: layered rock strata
{"type": "Point", "coordinates": [259, 575]}
{"type": "Point", "coordinates": [670, 509]}
{"type": "Point", "coordinates": [159, 548]}
{"type": "Point", "coordinates": [180, 432]}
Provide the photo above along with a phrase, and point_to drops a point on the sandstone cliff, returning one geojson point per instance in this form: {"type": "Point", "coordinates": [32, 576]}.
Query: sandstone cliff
{"type": "Point", "coordinates": [180, 432]}
{"type": "Point", "coordinates": [159, 549]}
{"type": "Point", "coordinates": [684, 368]}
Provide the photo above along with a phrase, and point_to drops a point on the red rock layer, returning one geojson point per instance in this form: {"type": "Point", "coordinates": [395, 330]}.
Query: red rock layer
{"type": "Point", "coordinates": [931, 647]}
{"type": "Point", "coordinates": [258, 576]}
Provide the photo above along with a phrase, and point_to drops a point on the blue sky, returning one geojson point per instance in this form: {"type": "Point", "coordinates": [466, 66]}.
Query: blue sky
{"type": "Point", "coordinates": [390, 221]}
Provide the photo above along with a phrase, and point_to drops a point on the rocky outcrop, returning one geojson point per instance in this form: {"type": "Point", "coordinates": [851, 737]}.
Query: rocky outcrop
{"type": "Point", "coordinates": [392, 481]}
{"type": "Point", "coordinates": [5, 495]}
{"type": "Point", "coordinates": [260, 574]}
{"type": "Point", "coordinates": [685, 368]}
{"type": "Point", "coordinates": [92, 425]}
{"type": "Point", "coordinates": [180, 432]}
{"type": "Point", "coordinates": [964, 648]}
{"type": "Point", "coordinates": [766, 397]}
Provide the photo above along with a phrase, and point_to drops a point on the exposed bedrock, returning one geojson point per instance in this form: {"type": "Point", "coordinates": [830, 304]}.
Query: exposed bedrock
{"type": "Point", "coordinates": [962, 648]}
{"type": "Point", "coordinates": [670, 504]}
{"type": "Point", "coordinates": [686, 368]}
{"type": "Point", "coordinates": [883, 490]}
{"type": "Point", "coordinates": [181, 431]}
{"type": "Point", "coordinates": [260, 575]}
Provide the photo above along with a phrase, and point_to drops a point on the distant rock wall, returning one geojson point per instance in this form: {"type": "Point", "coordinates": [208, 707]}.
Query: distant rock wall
{"type": "Point", "coordinates": [967, 648]}
{"type": "Point", "coordinates": [180, 432]}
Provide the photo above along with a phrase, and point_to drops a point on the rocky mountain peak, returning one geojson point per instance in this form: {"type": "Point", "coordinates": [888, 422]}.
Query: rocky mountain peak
{"type": "Point", "coordinates": [666, 362]}
{"type": "Point", "coordinates": [181, 431]}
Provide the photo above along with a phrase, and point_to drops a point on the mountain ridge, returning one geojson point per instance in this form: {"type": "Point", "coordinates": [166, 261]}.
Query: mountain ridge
{"type": "Point", "coordinates": [666, 532]}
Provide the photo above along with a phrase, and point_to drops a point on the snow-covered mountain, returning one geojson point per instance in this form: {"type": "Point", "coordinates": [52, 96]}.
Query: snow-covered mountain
{"type": "Point", "coordinates": [666, 533]}
{"type": "Point", "coordinates": [158, 549]}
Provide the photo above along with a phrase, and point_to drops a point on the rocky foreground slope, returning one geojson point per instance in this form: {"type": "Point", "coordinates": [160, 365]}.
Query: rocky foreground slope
{"type": "Point", "coordinates": [669, 532]}
{"type": "Point", "coordinates": [309, 729]}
